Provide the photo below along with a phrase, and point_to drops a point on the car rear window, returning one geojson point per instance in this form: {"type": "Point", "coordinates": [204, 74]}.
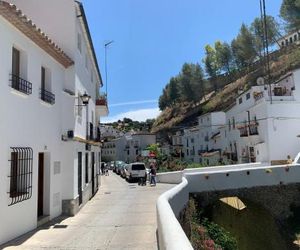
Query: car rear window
{"type": "Point", "coordinates": [138, 167]}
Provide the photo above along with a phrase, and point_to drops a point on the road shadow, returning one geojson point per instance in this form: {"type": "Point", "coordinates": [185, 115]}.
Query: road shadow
{"type": "Point", "coordinates": [55, 223]}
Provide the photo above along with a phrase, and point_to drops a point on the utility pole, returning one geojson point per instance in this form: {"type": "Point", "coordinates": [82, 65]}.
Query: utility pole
{"type": "Point", "coordinates": [266, 45]}
{"type": "Point", "coordinates": [105, 47]}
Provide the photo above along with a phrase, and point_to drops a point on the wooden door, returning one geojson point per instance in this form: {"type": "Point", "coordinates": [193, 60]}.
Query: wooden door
{"type": "Point", "coordinates": [80, 177]}
{"type": "Point", "coordinates": [41, 185]}
{"type": "Point", "coordinates": [93, 172]}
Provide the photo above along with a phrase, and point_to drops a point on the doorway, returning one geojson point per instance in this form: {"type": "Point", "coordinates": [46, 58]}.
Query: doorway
{"type": "Point", "coordinates": [93, 173]}
{"type": "Point", "coordinates": [80, 177]}
{"type": "Point", "coordinates": [40, 209]}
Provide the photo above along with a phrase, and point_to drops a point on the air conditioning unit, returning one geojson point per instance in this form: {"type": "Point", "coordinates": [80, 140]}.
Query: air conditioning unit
{"type": "Point", "coordinates": [70, 134]}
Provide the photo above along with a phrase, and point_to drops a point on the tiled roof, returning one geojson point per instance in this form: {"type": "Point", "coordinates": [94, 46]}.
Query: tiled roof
{"type": "Point", "coordinates": [29, 29]}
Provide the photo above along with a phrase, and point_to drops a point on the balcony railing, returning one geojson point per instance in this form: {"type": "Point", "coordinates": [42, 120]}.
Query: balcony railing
{"type": "Point", "coordinates": [253, 129]}
{"type": "Point", "coordinates": [102, 101]}
{"type": "Point", "coordinates": [243, 131]}
{"type": "Point", "coordinates": [47, 96]}
{"type": "Point", "coordinates": [21, 85]}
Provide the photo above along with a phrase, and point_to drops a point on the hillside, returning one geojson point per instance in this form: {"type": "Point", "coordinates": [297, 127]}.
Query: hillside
{"type": "Point", "coordinates": [281, 61]}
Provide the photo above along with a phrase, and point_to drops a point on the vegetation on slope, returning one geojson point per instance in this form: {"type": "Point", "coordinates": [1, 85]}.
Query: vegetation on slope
{"type": "Point", "coordinates": [228, 69]}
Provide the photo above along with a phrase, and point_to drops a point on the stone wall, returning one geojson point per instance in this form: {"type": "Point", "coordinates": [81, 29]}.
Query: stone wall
{"type": "Point", "coordinates": [276, 199]}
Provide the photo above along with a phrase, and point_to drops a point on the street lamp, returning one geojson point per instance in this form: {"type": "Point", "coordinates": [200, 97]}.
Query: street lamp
{"type": "Point", "coordinates": [85, 99]}
{"type": "Point", "coordinates": [105, 46]}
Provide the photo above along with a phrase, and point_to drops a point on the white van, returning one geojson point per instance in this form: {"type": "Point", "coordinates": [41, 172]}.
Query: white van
{"type": "Point", "coordinates": [134, 171]}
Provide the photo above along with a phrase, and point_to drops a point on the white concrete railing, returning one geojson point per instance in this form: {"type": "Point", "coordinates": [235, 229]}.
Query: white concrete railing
{"type": "Point", "coordinates": [169, 204]}
{"type": "Point", "coordinates": [176, 176]}
{"type": "Point", "coordinates": [170, 234]}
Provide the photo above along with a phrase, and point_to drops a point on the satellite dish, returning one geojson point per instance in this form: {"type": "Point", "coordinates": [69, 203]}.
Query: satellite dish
{"type": "Point", "coordinates": [260, 81]}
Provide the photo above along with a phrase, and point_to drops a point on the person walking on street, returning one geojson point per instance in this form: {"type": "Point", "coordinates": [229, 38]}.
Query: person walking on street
{"type": "Point", "coordinates": [152, 175]}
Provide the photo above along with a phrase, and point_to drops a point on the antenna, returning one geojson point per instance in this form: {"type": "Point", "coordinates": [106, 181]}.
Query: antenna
{"type": "Point", "coordinates": [260, 81]}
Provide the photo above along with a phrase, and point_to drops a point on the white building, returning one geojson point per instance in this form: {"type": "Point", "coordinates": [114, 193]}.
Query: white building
{"type": "Point", "coordinates": [108, 150]}
{"type": "Point", "coordinates": [108, 131]}
{"type": "Point", "coordinates": [47, 132]}
{"type": "Point", "coordinates": [191, 144]}
{"type": "Point", "coordinates": [291, 38]}
{"type": "Point", "coordinates": [129, 147]}
{"type": "Point", "coordinates": [263, 127]}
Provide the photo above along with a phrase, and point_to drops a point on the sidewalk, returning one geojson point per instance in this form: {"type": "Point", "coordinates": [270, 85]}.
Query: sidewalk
{"type": "Point", "coordinates": [121, 216]}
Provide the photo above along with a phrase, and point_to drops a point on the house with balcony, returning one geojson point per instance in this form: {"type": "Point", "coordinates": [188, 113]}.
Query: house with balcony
{"type": "Point", "coordinates": [191, 144]}
{"type": "Point", "coordinates": [50, 135]}
{"type": "Point", "coordinates": [210, 137]}
{"type": "Point", "coordinates": [129, 147]}
{"type": "Point", "coordinates": [262, 120]}
{"type": "Point", "coordinates": [289, 39]}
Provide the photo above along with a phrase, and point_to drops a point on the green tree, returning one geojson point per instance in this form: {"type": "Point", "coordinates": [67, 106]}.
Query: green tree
{"type": "Point", "coordinates": [224, 56]}
{"type": "Point", "coordinates": [173, 90]}
{"type": "Point", "coordinates": [290, 12]}
{"type": "Point", "coordinates": [211, 65]}
{"type": "Point", "coordinates": [258, 32]}
{"type": "Point", "coordinates": [186, 90]}
{"type": "Point", "coordinates": [198, 82]}
{"type": "Point", "coordinates": [163, 101]}
{"type": "Point", "coordinates": [243, 48]}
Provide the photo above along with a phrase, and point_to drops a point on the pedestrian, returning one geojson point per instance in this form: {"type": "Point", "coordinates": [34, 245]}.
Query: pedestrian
{"type": "Point", "coordinates": [289, 160]}
{"type": "Point", "coordinates": [152, 175]}
{"type": "Point", "coordinates": [106, 170]}
{"type": "Point", "coordinates": [102, 168]}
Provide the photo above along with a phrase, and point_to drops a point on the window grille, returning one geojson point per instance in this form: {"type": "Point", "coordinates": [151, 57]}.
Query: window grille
{"type": "Point", "coordinates": [21, 165]}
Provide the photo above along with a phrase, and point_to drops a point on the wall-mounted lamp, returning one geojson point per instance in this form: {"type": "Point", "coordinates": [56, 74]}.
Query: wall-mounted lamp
{"type": "Point", "coordinates": [85, 98]}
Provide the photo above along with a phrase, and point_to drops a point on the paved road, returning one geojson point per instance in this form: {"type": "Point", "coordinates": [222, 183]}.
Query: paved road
{"type": "Point", "coordinates": [120, 216]}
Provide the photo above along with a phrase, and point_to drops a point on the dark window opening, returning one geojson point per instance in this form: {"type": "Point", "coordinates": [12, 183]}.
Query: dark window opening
{"type": "Point", "coordinates": [138, 167]}
{"type": "Point", "coordinates": [20, 174]}
{"type": "Point", "coordinates": [86, 167]}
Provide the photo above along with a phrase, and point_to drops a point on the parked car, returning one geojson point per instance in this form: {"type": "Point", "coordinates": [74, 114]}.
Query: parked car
{"type": "Point", "coordinates": [118, 167]}
{"type": "Point", "coordinates": [134, 171]}
{"type": "Point", "coordinates": [123, 170]}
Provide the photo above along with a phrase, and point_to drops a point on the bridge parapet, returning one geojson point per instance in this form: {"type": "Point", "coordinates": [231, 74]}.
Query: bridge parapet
{"type": "Point", "coordinates": [230, 179]}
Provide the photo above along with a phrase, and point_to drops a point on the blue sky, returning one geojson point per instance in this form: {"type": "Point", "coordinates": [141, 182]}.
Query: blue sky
{"type": "Point", "coordinates": [152, 39]}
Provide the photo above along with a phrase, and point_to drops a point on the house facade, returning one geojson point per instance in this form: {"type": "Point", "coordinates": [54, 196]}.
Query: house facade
{"type": "Point", "coordinates": [291, 38]}
{"type": "Point", "coordinates": [264, 119]}
{"type": "Point", "coordinates": [254, 129]}
{"type": "Point", "coordinates": [51, 139]}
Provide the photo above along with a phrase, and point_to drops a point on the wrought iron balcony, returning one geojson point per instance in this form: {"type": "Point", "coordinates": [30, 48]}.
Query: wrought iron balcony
{"type": "Point", "coordinates": [101, 101]}
{"type": "Point", "coordinates": [21, 85]}
{"type": "Point", "coordinates": [243, 130]}
{"type": "Point", "coordinates": [47, 96]}
{"type": "Point", "coordinates": [253, 129]}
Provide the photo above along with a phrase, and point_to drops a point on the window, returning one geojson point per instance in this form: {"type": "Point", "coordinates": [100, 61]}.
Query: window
{"type": "Point", "coordinates": [240, 100]}
{"type": "Point", "coordinates": [233, 123]}
{"type": "Point", "coordinates": [20, 188]}
{"type": "Point", "coordinates": [282, 43]}
{"type": "Point", "coordinates": [291, 39]}
{"type": "Point", "coordinates": [248, 96]}
{"type": "Point", "coordinates": [19, 68]}
{"type": "Point", "coordinates": [295, 37]}
{"type": "Point", "coordinates": [79, 42]}
{"type": "Point", "coordinates": [45, 91]}
{"type": "Point", "coordinates": [136, 167]}
{"type": "Point", "coordinates": [229, 124]}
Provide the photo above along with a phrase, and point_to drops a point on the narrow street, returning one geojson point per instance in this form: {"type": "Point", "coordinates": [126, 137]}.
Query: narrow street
{"type": "Point", "coordinates": [121, 216]}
